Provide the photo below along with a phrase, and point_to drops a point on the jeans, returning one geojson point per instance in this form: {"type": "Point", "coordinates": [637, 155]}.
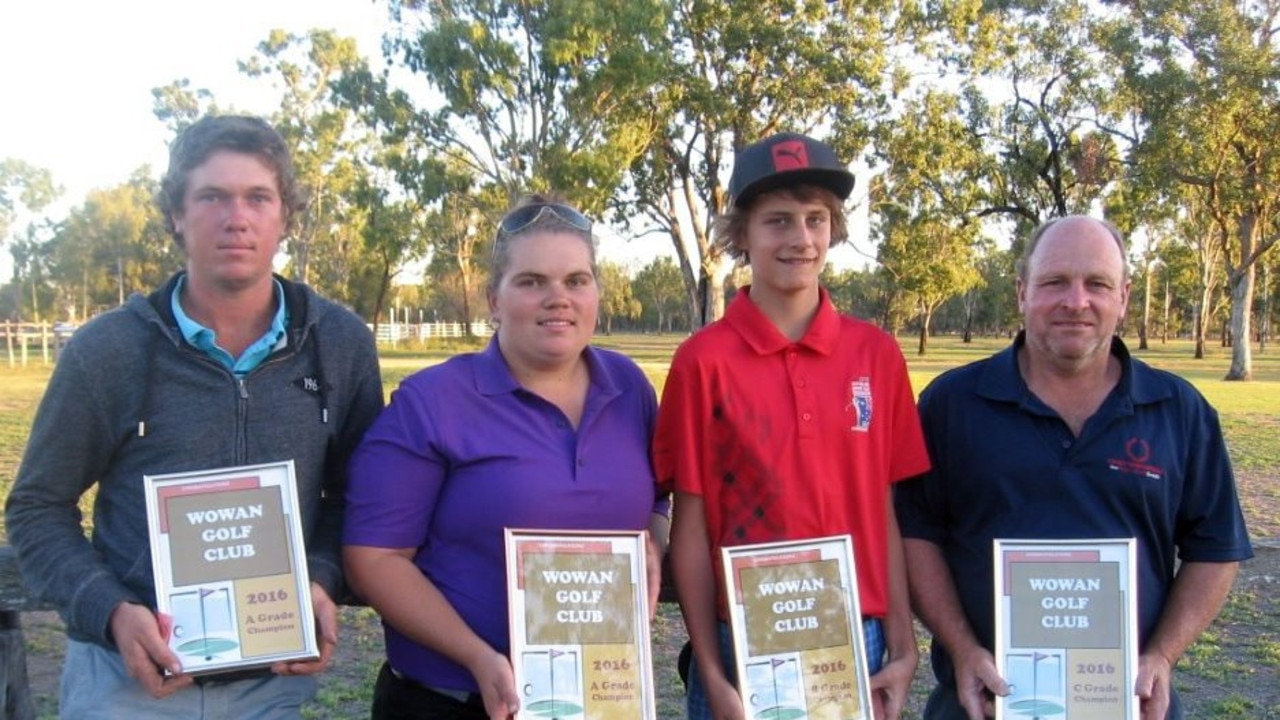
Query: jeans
{"type": "Point", "coordinates": [697, 707]}
{"type": "Point", "coordinates": [95, 685]}
{"type": "Point", "coordinates": [400, 698]}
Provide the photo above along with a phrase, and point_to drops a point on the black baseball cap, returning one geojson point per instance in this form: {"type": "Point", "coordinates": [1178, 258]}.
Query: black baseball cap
{"type": "Point", "coordinates": [787, 160]}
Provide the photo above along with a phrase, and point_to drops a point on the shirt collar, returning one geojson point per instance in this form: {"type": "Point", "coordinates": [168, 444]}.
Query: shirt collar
{"type": "Point", "coordinates": [1002, 380]}
{"type": "Point", "coordinates": [202, 337]}
{"type": "Point", "coordinates": [759, 332]}
{"type": "Point", "coordinates": [493, 377]}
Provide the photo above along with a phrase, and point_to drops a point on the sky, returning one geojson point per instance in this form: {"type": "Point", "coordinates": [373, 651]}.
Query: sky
{"type": "Point", "coordinates": [76, 79]}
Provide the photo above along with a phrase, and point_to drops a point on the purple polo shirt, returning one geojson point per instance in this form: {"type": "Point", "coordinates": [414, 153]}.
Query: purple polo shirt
{"type": "Point", "coordinates": [462, 452]}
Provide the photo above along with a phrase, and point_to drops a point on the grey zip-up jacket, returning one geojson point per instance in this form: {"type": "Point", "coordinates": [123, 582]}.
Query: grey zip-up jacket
{"type": "Point", "coordinates": [130, 397]}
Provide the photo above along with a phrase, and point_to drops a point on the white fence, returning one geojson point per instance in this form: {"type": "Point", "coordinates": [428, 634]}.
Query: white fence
{"type": "Point", "coordinates": [391, 333]}
{"type": "Point", "coordinates": [24, 342]}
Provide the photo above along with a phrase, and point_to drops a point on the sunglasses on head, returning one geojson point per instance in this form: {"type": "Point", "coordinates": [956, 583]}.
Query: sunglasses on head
{"type": "Point", "coordinates": [522, 217]}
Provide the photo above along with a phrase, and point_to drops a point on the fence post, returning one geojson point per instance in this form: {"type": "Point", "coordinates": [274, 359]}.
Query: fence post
{"type": "Point", "coordinates": [15, 694]}
{"type": "Point", "coordinates": [15, 687]}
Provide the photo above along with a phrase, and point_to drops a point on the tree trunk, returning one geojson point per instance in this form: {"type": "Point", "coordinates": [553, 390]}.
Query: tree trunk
{"type": "Point", "coordinates": [1168, 300]}
{"type": "Point", "coordinates": [713, 271]}
{"type": "Point", "coordinates": [692, 292]}
{"type": "Point", "coordinates": [466, 276]}
{"type": "Point", "coordinates": [966, 335]}
{"type": "Point", "coordinates": [1241, 309]}
{"type": "Point", "coordinates": [466, 308]}
{"type": "Point", "coordinates": [84, 296]}
{"type": "Point", "coordinates": [300, 244]}
{"type": "Point", "coordinates": [384, 286]}
{"type": "Point", "coordinates": [1144, 327]}
{"type": "Point", "coordinates": [1200, 326]}
{"type": "Point", "coordinates": [1264, 318]}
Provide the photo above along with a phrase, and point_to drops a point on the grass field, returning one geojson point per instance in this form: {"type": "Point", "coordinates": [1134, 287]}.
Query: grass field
{"type": "Point", "coordinates": [1232, 672]}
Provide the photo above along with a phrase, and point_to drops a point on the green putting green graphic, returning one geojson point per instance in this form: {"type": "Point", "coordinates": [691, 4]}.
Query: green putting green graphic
{"type": "Point", "coordinates": [781, 713]}
{"type": "Point", "coordinates": [554, 708]}
{"type": "Point", "coordinates": [205, 613]}
{"type": "Point", "coordinates": [1036, 708]}
{"type": "Point", "coordinates": [207, 646]}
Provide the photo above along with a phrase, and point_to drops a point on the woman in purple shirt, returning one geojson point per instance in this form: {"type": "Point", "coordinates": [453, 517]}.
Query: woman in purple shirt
{"type": "Point", "coordinates": [539, 430]}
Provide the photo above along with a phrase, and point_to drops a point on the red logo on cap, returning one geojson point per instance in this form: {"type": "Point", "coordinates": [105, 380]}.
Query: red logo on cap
{"type": "Point", "coordinates": [790, 155]}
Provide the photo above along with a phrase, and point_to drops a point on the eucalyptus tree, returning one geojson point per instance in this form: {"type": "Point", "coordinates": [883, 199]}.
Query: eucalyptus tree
{"type": "Point", "coordinates": [865, 293]}
{"type": "Point", "coordinates": [1144, 279]}
{"type": "Point", "coordinates": [737, 72]}
{"type": "Point", "coordinates": [449, 214]}
{"type": "Point", "coordinates": [1204, 79]}
{"type": "Point", "coordinates": [657, 286]}
{"type": "Point", "coordinates": [390, 228]}
{"type": "Point", "coordinates": [25, 191]}
{"type": "Point", "coordinates": [1268, 293]}
{"type": "Point", "coordinates": [1027, 82]}
{"type": "Point", "coordinates": [530, 96]}
{"type": "Point", "coordinates": [325, 139]}
{"type": "Point", "coordinates": [989, 305]}
{"type": "Point", "coordinates": [483, 102]}
{"type": "Point", "coordinates": [1179, 281]}
{"type": "Point", "coordinates": [459, 233]}
{"type": "Point", "coordinates": [112, 245]}
{"type": "Point", "coordinates": [178, 105]}
{"type": "Point", "coordinates": [31, 259]}
{"type": "Point", "coordinates": [919, 204]}
{"type": "Point", "coordinates": [1207, 242]}
{"type": "Point", "coordinates": [617, 300]}
{"type": "Point", "coordinates": [994, 300]}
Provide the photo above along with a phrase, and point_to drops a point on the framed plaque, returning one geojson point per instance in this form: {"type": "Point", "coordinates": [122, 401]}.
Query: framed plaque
{"type": "Point", "coordinates": [1066, 628]}
{"type": "Point", "coordinates": [579, 618]}
{"type": "Point", "coordinates": [230, 568]}
{"type": "Point", "coordinates": [797, 629]}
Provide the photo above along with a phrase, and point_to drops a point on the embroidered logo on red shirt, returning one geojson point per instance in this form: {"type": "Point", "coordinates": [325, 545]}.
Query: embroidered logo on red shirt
{"type": "Point", "coordinates": [860, 404]}
{"type": "Point", "coordinates": [1138, 452]}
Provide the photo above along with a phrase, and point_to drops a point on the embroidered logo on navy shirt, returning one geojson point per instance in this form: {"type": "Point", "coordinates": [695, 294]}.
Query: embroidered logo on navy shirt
{"type": "Point", "coordinates": [1138, 452]}
{"type": "Point", "coordinates": [860, 404]}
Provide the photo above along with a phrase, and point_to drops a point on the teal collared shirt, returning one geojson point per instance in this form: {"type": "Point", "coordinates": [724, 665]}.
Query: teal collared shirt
{"type": "Point", "coordinates": [206, 340]}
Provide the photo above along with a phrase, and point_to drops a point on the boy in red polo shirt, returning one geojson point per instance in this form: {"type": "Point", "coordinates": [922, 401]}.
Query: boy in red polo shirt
{"type": "Point", "coordinates": [785, 420]}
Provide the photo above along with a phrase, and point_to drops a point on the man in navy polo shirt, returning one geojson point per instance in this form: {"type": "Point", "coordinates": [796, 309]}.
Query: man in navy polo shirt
{"type": "Point", "coordinates": [1061, 436]}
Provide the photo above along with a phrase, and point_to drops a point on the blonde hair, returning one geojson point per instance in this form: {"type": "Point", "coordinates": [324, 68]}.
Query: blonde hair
{"type": "Point", "coordinates": [730, 228]}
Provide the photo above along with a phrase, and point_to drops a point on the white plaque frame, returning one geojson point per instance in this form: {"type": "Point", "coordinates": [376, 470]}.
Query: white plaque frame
{"type": "Point", "coordinates": [579, 622]}
{"type": "Point", "coordinates": [1066, 626]}
{"type": "Point", "coordinates": [797, 629]}
{"type": "Point", "coordinates": [230, 564]}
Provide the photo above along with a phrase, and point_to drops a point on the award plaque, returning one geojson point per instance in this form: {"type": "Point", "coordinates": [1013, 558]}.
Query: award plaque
{"type": "Point", "coordinates": [579, 618]}
{"type": "Point", "coordinates": [797, 629]}
{"type": "Point", "coordinates": [230, 569]}
{"type": "Point", "coordinates": [1066, 628]}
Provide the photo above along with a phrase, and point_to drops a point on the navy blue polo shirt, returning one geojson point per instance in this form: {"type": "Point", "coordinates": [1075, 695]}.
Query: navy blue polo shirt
{"type": "Point", "coordinates": [1150, 464]}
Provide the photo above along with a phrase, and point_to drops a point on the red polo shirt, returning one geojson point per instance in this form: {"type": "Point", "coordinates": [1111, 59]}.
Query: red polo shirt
{"type": "Point", "coordinates": [791, 440]}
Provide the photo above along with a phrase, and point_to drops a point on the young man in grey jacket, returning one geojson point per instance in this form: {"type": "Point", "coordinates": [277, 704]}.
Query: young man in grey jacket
{"type": "Point", "coordinates": [227, 364]}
